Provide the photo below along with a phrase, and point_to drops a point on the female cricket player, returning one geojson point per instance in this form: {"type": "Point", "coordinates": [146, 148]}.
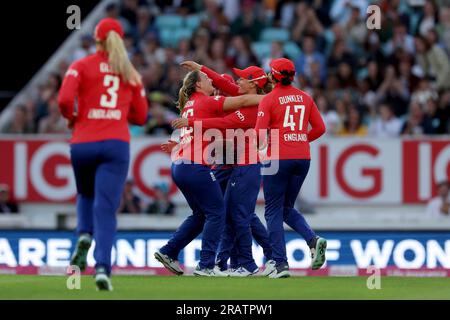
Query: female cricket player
{"type": "Point", "coordinates": [192, 174]}
{"type": "Point", "coordinates": [242, 182]}
{"type": "Point", "coordinates": [288, 110]}
{"type": "Point", "coordinates": [109, 93]}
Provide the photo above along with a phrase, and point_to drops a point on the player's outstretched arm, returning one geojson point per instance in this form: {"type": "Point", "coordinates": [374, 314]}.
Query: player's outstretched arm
{"type": "Point", "coordinates": [219, 82]}
{"type": "Point", "coordinates": [246, 100]}
{"type": "Point", "coordinates": [231, 121]}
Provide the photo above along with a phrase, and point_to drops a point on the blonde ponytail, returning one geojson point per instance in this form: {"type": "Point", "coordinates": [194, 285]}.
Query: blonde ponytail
{"type": "Point", "coordinates": [188, 88]}
{"type": "Point", "coordinates": [118, 59]}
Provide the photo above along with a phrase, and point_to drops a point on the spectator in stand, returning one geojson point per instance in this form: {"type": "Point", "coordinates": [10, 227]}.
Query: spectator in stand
{"type": "Point", "coordinates": [53, 123]}
{"type": "Point", "coordinates": [374, 76]}
{"type": "Point", "coordinates": [173, 80]}
{"type": "Point", "coordinates": [306, 23]}
{"type": "Point", "coordinates": [434, 62]}
{"type": "Point", "coordinates": [19, 124]}
{"type": "Point", "coordinates": [159, 123]}
{"type": "Point", "coordinates": [181, 7]}
{"type": "Point", "coordinates": [372, 50]}
{"type": "Point", "coordinates": [308, 56]}
{"type": "Point", "coordinates": [112, 11]}
{"type": "Point", "coordinates": [185, 52]}
{"type": "Point", "coordinates": [356, 28]}
{"type": "Point", "coordinates": [86, 48]}
{"type": "Point", "coordinates": [276, 51]}
{"type": "Point", "coordinates": [130, 203]}
{"type": "Point", "coordinates": [367, 98]}
{"type": "Point", "coordinates": [444, 108]}
{"type": "Point", "coordinates": [128, 11]}
{"type": "Point", "coordinates": [423, 92]}
{"type": "Point", "coordinates": [439, 206]}
{"type": "Point", "coordinates": [443, 27]}
{"type": "Point", "coordinates": [386, 124]}
{"type": "Point", "coordinates": [201, 43]}
{"type": "Point", "coordinates": [393, 91]}
{"type": "Point", "coordinates": [144, 23]}
{"type": "Point", "coordinates": [414, 123]}
{"type": "Point", "coordinates": [345, 76]}
{"type": "Point", "coordinates": [151, 50]}
{"type": "Point", "coordinates": [240, 54]}
{"type": "Point", "coordinates": [330, 117]}
{"type": "Point", "coordinates": [161, 203]}
{"type": "Point", "coordinates": [248, 22]}
{"type": "Point", "coordinates": [216, 21]}
{"type": "Point", "coordinates": [340, 54]}
{"type": "Point", "coordinates": [428, 19]}
{"type": "Point", "coordinates": [400, 39]}
{"type": "Point", "coordinates": [406, 76]}
{"type": "Point", "coordinates": [216, 56]}
{"type": "Point", "coordinates": [353, 126]}
{"type": "Point", "coordinates": [285, 13]}
{"type": "Point", "coordinates": [341, 11]}
{"type": "Point", "coordinates": [7, 204]}
{"type": "Point", "coordinates": [435, 119]}
{"type": "Point", "coordinates": [30, 114]}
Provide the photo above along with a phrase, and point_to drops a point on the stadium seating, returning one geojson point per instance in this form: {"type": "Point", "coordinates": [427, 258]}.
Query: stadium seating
{"type": "Point", "coordinates": [167, 21]}
{"type": "Point", "coordinates": [261, 49]}
{"type": "Point", "coordinates": [275, 34]}
{"type": "Point", "coordinates": [192, 21]}
{"type": "Point", "coordinates": [292, 50]}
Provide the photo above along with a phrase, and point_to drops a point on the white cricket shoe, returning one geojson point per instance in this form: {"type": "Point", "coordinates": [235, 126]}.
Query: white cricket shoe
{"type": "Point", "coordinates": [269, 267]}
{"type": "Point", "coordinates": [170, 264]}
{"type": "Point", "coordinates": [215, 272]}
{"type": "Point", "coordinates": [243, 272]}
{"type": "Point", "coordinates": [281, 271]}
{"type": "Point", "coordinates": [102, 280]}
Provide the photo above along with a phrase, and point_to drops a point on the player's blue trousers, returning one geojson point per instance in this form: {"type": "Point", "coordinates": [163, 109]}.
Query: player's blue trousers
{"type": "Point", "coordinates": [100, 172]}
{"type": "Point", "coordinates": [280, 192]}
{"type": "Point", "coordinates": [193, 226]}
{"type": "Point", "coordinates": [241, 184]}
{"type": "Point", "coordinates": [204, 196]}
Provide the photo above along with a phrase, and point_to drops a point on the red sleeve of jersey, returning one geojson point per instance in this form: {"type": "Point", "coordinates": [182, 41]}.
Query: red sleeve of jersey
{"type": "Point", "coordinates": [244, 118]}
{"type": "Point", "coordinates": [69, 90]}
{"type": "Point", "coordinates": [215, 104]}
{"type": "Point", "coordinates": [317, 124]}
{"type": "Point", "coordinates": [221, 83]}
{"type": "Point", "coordinates": [139, 106]}
{"type": "Point", "coordinates": [263, 119]}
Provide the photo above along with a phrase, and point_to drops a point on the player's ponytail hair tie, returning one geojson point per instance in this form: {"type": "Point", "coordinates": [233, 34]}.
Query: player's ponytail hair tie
{"type": "Point", "coordinates": [188, 88]}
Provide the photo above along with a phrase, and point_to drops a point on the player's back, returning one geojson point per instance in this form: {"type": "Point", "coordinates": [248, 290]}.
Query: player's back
{"type": "Point", "coordinates": [290, 110]}
{"type": "Point", "coordinates": [104, 99]}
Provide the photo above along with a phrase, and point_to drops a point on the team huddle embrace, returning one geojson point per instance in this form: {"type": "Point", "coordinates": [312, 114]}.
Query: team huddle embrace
{"type": "Point", "coordinates": [232, 137]}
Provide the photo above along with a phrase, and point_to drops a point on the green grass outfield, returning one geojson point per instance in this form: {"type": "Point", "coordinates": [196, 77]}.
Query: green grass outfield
{"type": "Point", "coordinates": [172, 287]}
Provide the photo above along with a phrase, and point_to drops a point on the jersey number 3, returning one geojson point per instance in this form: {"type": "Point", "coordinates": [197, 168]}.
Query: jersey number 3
{"type": "Point", "coordinates": [289, 118]}
{"type": "Point", "coordinates": [109, 100]}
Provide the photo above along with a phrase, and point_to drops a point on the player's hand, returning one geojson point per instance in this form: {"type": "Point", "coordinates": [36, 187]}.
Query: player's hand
{"type": "Point", "coordinates": [168, 146]}
{"type": "Point", "coordinates": [191, 65]}
{"type": "Point", "coordinates": [180, 123]}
